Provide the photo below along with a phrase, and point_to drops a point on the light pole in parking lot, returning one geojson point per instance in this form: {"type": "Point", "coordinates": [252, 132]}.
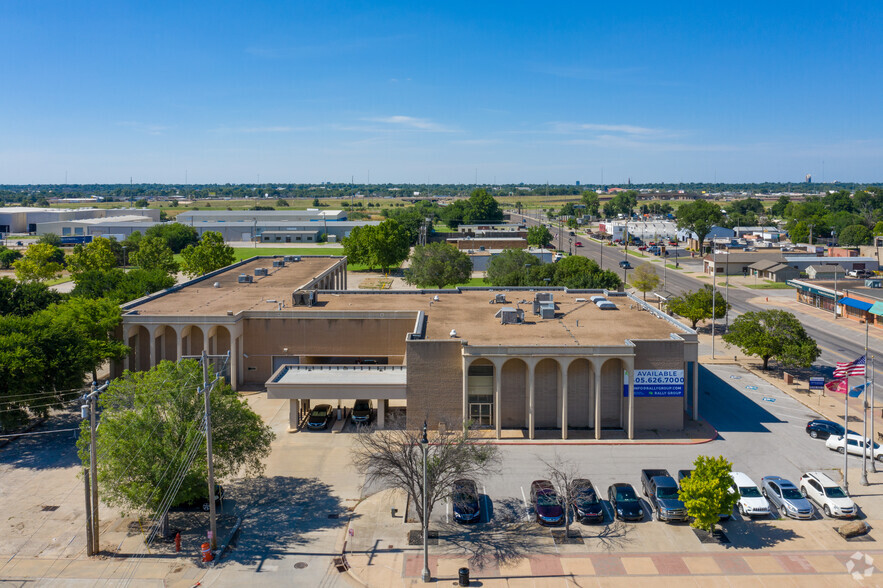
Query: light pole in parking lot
{"type": "Point", "coordinates": [426, 576]}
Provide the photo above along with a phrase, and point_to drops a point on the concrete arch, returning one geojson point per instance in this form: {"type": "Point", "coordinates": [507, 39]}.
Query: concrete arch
{"type": "Point", "coordinates": [547, 403]}
{"type": "Point", "coordinates": [218, 340]}
{"type": "Point", "coordinates": [481, 376]}
{"type": "Point", "coordinates": [580, 394]}
{"type": "Point", "coordinates": [513, 405]}
{"type": "Point", "coordinates": [138, 339]}
{"type": "Point", "coordinates": [192, 340]}
{"type": "Point", "coordinates": [612, 399]}
{"type": "Point", "coordinates": [165, 344]}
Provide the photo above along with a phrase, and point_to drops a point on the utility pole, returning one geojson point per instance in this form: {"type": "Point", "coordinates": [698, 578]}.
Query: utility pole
{"type": "Point", "coordinates": [93, 466]}
{"type": "Point", "coordinates": [206, 391]}
{"type": "Point", "coordinates": [713, 294]}
{"type": "Point", "coordinates": [86, 476]}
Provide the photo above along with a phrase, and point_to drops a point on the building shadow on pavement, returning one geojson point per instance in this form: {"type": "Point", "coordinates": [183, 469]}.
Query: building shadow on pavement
{"type": "Point", "coordinates": [45, 451]}
{"type": "Point", "coordinates": [730, 410]}
{"type": "Point", "coordinates": [279, 516]}
{"type": "Point", "coordinates": [756, 534]}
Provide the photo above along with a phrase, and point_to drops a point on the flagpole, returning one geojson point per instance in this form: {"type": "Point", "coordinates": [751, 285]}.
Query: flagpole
{"type": "Point", "coordinates": [865, 417]}
{"type": "Point", "coordinates": [873, 461]}
{"type": "Point", "coordinates": [846, 437]}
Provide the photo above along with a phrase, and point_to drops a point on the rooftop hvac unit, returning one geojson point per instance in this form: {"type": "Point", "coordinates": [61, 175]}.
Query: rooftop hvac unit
{"type": "Point", "coordinates": [510, 316]}
{"type": "Point", "coordinates": [278, 263]}
{"type": "Point", "coordinates": [539, 298]}
{"type": "Point", "coordinates": [303, 298]}
{"type": "Point", "coordinates": [260, 271]}
{"type": "Point", "coordinates": [500, 298]}
{"type": "Point", "coordinates": [245, 279]}
{"type": "Point", "coordinates": [596, 298]}
{"type": "Point", "coordinates": [547, 310]}
{"type": "Point", "coordinates": [606, 305]}
{"type": "Point", "coordinates": [292, 258]}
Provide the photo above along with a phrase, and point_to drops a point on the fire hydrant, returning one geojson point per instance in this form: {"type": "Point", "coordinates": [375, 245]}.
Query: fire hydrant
{"type": "Point", "coordinates": [178, 542]}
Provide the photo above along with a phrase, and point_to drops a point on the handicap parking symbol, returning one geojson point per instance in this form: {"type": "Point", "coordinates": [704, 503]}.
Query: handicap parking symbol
{"type": "Point", "coordinates": [751, 387]}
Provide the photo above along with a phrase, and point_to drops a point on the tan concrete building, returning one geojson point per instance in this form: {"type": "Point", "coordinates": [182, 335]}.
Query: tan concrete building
{"type": "Point", "coordinates": [530, 360]}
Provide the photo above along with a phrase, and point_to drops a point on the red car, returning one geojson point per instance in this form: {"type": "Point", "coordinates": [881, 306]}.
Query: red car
{"type": "Point", "coordinates": [578, 244]}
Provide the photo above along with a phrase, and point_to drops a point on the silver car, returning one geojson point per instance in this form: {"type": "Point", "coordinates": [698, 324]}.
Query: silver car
{"type": "Point", "coordinates": [786, 497]}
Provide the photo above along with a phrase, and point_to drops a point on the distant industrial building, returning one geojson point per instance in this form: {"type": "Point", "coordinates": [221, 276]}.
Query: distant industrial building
{"type": "Point", "coordinates": [23, 219]}
{"type": "Point", "coordinates": [118, 227]}
{"type": "Point", "coordinates": [274, 226]}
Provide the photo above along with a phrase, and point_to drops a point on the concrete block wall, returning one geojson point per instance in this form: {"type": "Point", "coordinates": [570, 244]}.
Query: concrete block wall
{"type": "Point", "coordinates": [664, 414]}
{"type": "Point", "coordinates": [435, 383]}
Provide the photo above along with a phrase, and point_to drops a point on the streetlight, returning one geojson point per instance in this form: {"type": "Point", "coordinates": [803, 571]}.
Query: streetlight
{"type": "Point", "coordinates": [426, 576]}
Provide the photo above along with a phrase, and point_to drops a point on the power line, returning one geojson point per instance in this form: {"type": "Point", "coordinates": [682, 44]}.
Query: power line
{"type": "Point", "coordinates": [38, 433]}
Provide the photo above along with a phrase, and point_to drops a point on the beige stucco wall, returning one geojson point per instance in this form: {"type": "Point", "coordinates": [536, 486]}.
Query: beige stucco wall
{"type": "Point", "coordinates": [435, 383]}
{"type": "Point", "coordinates": [659, 413]}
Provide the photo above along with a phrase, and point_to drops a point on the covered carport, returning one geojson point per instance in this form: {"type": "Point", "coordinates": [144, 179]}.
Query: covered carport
{"type": "Point", "coordinates": [300, 384]}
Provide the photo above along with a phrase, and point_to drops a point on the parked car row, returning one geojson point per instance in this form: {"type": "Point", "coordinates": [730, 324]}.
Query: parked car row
{"type": "Point", "coordinates": [662, 493]}
{"type": "Point", "coordinates": [837, 438]}
{"type": "Point", "coordinates": [322, 415]}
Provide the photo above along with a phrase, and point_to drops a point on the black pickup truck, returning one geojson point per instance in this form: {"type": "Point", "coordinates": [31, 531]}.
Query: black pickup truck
{"type": "Point", "coordinates": [662, 492]}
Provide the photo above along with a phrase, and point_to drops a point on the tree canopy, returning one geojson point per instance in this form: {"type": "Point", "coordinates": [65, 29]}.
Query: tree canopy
{"type": "Point", "coordinates": [121, 286]}
{"type": "Point", "coordinates": [8, 257]}
{"type": "Point", "coordinates": [699, 217]}
{"type": "Point", "coordinates": [39, 263]}
{"type": "Point", "coordinates": [516, 267]}
{"type": "Point", "coordinates": [538, 236]}
{"type": "Point", "coordinates": [97, 255]}
{"type": "Point", "coordinates": [151, 430]}
{"type": "Point", "coordinates": [176, 235]}
{"type": "Point", "coordinates": [707, 493]}
{"type": "Point", "coordinates": [645, 279]}
{"type": "Point", "coordinates": [773, 334]}
{"type": "Point", "coordinates": [384, 245]}
{"type": "Point", "coordinates": [855, 235]}
{"type": "Point", "coordinates": [210, 254]}
{"type": "Point", "coordinates": [25, 298]}
{"type": "Point", "coordinates": [153, 253]}
{"type": "Point", "coordinates": [438, 264]}
{"type": "Point", "coordinates": [697, 306]}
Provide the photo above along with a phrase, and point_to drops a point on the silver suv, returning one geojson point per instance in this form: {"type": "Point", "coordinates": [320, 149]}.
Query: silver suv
{"type": "Point", "coordinates": [827, 494]}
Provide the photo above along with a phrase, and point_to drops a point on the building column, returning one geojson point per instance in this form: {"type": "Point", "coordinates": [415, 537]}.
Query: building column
{"type": "Point", "coordinates": [597, 369]}
{"type": "Point", "coordinates": [630, 380]}
{"type": "Point", "coordinates": [381, 413]}
{"type": "Point", "coordinates": [293, 415]}
{"type": "Point", "coordinates": [152, 334]}
{"type": "Point", "coordinates": [467, 361]}
{"type": "Point", "coordinates": [234, 364]}
{"type": "Point", "coordinates": [205, 338]}
{"type": "Point", "coordinates": [531, 405]}
{"type": "Point", "coordinates": [179, 340]}
{"type": "Point", "coordinates": [695, 390]}
{"type": "Point", "coordinates": [686, 379]}
{"type": "Point", "coordinates": [564, 366]}
{"type": "Point", "coordinates": [498, 397]}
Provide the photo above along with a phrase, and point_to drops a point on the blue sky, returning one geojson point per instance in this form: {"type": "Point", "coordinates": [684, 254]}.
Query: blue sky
{"type": "Point", "coordinates": [440, 92]}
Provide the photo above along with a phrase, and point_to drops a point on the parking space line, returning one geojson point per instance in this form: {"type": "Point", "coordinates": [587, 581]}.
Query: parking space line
{"type": "Point", "coordinates": [526, 507]}
{"type": "Point", "coordinates": [448, 510]}
{"type": "Point", "coordinates": [487, 502]}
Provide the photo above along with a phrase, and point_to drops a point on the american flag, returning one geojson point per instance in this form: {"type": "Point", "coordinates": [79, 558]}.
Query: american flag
{"type": "Point", "coordinates": [850, 368]}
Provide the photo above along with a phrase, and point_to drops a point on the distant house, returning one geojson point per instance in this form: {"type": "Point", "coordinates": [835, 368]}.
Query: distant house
{"type": "Point", "coordinates": [825, 272]}
{"type": "Point", "coordinates": [739, 263]}
{"type": "Point", "coordinates": [774, 271]}
{"type": "Point", "coordinates": [692, 242]}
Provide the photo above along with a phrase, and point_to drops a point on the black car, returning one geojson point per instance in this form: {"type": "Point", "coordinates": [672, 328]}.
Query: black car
{"type": "Point", "coordinates": [586, 503]}
{"type": "Point", "coordinates": [320, 417]}
{"type": "Point", "coordinates": [625, 502]}
{"type": "Point", "coordinates": [625, 265]}
{"type": "Point", "coordinates": [546, 503]}
{"type": "Point", "coordinates": [464, 495]}
{"type": "Point", "coordinates": [822, 429]}
{"type": "Point", "coordinates": [201, 502]}
{"type": "Point", "coordinates": [361, 414]}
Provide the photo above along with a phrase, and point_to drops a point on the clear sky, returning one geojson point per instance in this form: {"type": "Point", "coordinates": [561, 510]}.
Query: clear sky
{"type": "Point", "coordinates": [444, 92]}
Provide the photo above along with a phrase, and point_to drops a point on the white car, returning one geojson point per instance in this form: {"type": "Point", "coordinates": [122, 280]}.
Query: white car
{"type": "Point", "coordinates": [751, 502]}
{"type": "Point", "coordinates": [827, 494]}
{"type": "Point", "coordinates": [855, 445]}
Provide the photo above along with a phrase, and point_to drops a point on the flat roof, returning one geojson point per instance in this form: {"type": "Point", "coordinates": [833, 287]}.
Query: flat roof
{"type": "Point", "coordinates": [202, 298]}
{"type": "Point", "coordinates": [470, 314]}
{"type": "Point", "coordinates": [319, 375]}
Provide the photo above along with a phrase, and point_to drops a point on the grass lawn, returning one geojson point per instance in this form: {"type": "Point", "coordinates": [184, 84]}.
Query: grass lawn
{"type": "Point", "coordinates": [769, 286]}
{"type": "Point", "coordinates": [479, 282]}
{"type": "Point", "coordinates": [241, 253]}
{"type": "Point", "coordinates": [672, 266]}
{"type": "Point", "coordinates": [57, 281]}
{"type": "Point", "coordinates": [636, 254]}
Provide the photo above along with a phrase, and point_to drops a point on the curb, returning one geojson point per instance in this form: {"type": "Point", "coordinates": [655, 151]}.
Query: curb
{"type": "Point", "coordinates": [608, 443]}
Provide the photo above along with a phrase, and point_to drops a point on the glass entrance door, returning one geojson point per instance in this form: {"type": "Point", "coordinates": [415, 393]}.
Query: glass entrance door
{"type": "Point", "coordinates": [481, 414]}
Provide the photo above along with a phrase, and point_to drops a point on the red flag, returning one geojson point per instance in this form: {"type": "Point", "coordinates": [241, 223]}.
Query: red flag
{"type": "Point", "coordinates": [837, 386]}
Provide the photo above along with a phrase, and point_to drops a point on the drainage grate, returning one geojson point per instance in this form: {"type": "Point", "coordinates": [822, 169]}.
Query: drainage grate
{"type": "Point", "coordinates": [50, 508]}
{"type": "Point", "coordinates": [300, 565]}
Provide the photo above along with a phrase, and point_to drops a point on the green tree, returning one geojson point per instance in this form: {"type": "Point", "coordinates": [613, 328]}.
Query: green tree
{"type": "Point", "coordinates": [697, 306]}
{"type": "Point", "coordinates": [210, 254]}
{"type": "Point", "coordinates": [25, 298]}
{"type": "Point", "coordinates": [150, 437]}
{"type": "Point", "coordinates": [96, 320]}
{"type": "Point", "coordinates": [482, 207]}
{"type": "Point", "coordinates": [50, 239]}
{"type": "Point", "coordinates": [176, 235]}
{"type": "Point", "coordinates": [699, 217]}
{"type": "Point", "coordinates": [97, 255]}
{"type": "Point", "coordinates": [281, 202]}
{"type": "Point", "coordinates": [645, 279]}
{"type": "Point", "coordinates": [778, 209]}
{"type": "Point", "coordinates": [509, 268]}
{"type": "Point", "coordinates": [592, 202]}
{"type": "Point", "coordinates": [8, 257]}
{"type": "Point", "coordinates": [438, 264]}
{"type": "Point", "coordinates": [154, 253]}
{"type": "Point", "coordinates": [121, 286]}
{"type": "Point", "coordinates": [878, 228]}
{"type": "Point", "coordinates": [390, 245]}
{"type": "Point", "coordinates": [707, 492]}
{"type": "Point", "coordinates": [142, 203]}
{"type": "Point", "coordinates": [575, 271]}
{"type": "Point", "coordinates": [855, 235]}
{"type": "Point", "coordinates": [37, 263]}
{"type": "Point", "coordinates": [538, 236]}
{"type": "Point", "coordinates": [775, 334]}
